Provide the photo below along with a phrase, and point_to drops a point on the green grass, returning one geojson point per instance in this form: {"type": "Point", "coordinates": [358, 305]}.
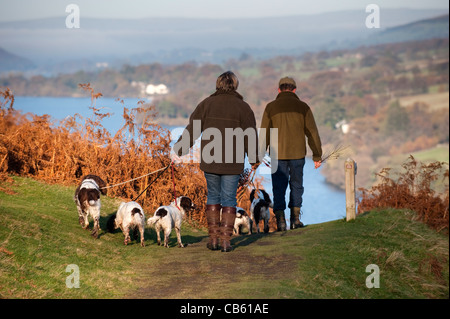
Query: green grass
{"type": "Point", "coordinates": [439, 153]}
{"type": "Point", "coordinates": [40, 236]}
{"type": "Point", "coordinates": [38, 226]}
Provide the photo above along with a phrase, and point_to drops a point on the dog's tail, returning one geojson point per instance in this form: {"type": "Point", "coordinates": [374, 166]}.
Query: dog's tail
{"type": "Point", "coordinates": [160, 213]}
{"type": "Point", "coordinates": [138, 216]}
{"type": "Point", "coordinates": [138, 212]}
{"type": "Point", "coordinates": [153, 220]}
{"type": "Point", "coordinates": [110, 225]}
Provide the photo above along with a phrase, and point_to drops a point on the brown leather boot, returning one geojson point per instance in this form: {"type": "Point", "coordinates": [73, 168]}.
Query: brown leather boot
{"type": "Point", "coordinates": [281, 221]}
{"type": "Point", "coordinates": [213, 220]}
{"type": "Point", "coordinates": [295, 218]}
{"type": "Point", "coordinates": [226, 227]}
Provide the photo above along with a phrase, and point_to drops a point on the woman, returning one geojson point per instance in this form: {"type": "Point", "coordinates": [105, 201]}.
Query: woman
{"type": "Point", "coordinates": [228, 129]}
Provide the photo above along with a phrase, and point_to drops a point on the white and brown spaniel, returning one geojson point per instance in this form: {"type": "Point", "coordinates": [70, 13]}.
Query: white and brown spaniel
{"type": "Point", "coordinates": [259, 209]}
{"type": "Point", "coordinates": [87, 199]}
{"type": "Point", "coordinates": [242, 219]}
{"type": "Point", "coordinates": [167, 217]}
{"type": "Point", "coordinates": [129, 216]}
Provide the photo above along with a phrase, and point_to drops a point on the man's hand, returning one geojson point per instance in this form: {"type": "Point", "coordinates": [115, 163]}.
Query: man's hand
{"type": "Point", "coordinates": [317, 164]}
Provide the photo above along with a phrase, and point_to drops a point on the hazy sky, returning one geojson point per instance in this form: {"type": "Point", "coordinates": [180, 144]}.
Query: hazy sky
{"type": "Point", "coordinates": [34, 9]}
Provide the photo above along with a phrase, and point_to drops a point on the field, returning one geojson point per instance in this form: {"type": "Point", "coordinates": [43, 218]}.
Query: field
{"type": "Point", "coordinates": [438, 153]}
{"type": "Point", "coordinates": [435, 100]}
{"type": "Point", "coordinates": [40, 236]}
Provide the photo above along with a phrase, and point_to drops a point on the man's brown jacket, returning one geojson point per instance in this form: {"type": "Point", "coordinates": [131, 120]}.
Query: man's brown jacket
{"type": "Point", "coordinates": [294, 120]}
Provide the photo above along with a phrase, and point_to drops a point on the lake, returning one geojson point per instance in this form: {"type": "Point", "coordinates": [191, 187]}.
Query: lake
{"type": "Point", "coordinates": [321, 201]}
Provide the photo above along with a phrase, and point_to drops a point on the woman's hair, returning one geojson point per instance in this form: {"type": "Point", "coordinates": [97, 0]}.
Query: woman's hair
{"type": "Point", "coordinates": [227, 82]}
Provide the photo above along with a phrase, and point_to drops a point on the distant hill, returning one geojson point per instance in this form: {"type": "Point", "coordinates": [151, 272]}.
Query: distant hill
{"type": "Point", "coordinates": [54, 48]}
{"type": "Point", "coordinates": [420, 30]}
{"type": "Point", "coordinates": [12, 62]}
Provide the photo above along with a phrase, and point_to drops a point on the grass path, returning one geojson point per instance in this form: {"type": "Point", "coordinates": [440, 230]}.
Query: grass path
{"type": "Point", "coordinates": [40, 236]}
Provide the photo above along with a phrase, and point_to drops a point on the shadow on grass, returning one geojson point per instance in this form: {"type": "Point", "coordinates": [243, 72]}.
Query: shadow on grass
{"type": "Point", "coordinates": [187, 239]}
{"type": "Point", "coordinates": [103, 222]}
{"type": "Point", "coordinates": [245, 240]}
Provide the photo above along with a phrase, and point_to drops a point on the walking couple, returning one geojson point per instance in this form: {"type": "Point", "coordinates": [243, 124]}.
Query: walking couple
{"type": "Point", "coordinates": [226, 111]}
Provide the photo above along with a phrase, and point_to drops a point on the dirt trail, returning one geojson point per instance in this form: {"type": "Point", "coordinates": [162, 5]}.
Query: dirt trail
{"type": "Point", "coordinates": [196, 272]}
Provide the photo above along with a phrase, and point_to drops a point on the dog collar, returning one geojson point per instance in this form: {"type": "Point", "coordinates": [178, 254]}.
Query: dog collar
{"type": "Point", "coordinates": [89, 182]}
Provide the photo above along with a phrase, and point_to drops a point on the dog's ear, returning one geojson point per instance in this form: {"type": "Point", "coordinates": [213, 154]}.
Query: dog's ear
{"type": "Point", "coordinates": [82, 198]}
{"type": "Point", "coordinates": [101, 184]}
{"type": "Point", "coordinates": [252, 195]}
{"type": "Point", "coordinates": [266, 196]}
{"type": "Point", "coordinates": [186, 203]}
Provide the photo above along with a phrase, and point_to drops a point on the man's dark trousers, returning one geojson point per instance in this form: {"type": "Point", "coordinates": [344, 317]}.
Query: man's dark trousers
{"type": "Point", "coordinates": [288, 172]}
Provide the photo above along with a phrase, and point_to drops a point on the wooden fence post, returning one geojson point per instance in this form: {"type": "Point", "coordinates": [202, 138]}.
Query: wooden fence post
{"type": "Point", "coordinates": [350, 197]}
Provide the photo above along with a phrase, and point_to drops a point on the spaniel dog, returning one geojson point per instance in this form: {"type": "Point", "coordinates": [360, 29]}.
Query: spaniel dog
{"type": "Point", "coordinates": [259, 208]}
{"type": "Point", "coordinates": [87, 199]}
{"type": "Point", "coordinates": [168, 217]}
{"type": "Point", "coordinates": [242, 219]}
{"type": "Point", "coordinates": [129, 216]}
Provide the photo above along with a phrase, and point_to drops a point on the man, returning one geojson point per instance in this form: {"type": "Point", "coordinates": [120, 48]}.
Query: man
{"type": "Point", "coordinates": [294, 120]}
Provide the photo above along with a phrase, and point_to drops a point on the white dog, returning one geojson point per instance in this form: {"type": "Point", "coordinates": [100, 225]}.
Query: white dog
{"type": "Point", "coordinates": [168, 217]}
{"type": "Point", "coordinates": [129, 216]}
{"type": "Point", "coordinates": [259, 208]}
{"type": "Point", "coordinates": [242, 219]}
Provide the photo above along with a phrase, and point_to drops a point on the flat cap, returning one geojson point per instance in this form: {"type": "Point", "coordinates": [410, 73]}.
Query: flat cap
{"type": "Point", "coordinates": [287, 80]}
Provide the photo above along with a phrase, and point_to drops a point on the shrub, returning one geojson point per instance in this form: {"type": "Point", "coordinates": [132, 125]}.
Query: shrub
{"type": "Point", "coordinates": [63, 152]}
{"type": "Point", "coordinates": [414, 188]}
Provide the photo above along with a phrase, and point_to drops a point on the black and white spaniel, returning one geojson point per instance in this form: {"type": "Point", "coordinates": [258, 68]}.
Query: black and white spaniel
{"type": "Point", "coordinates": [171, 216]}
{"type": "Point", "coordinates": [259, 209]}
{"type": "Point", "coordinates": [87, 199]}
{"type": "Point", "coordinates": [242, 219]}
{"type": "Point", "coordinates": [129, 216]}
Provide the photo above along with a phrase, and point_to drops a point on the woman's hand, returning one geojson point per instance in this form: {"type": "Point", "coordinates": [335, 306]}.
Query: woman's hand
{"type": "Point", "coordinates": [255, 166]}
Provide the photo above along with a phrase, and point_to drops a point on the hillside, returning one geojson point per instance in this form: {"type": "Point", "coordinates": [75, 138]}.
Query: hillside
{"type": "Point", "coordinates": [178, 40]}
{"type": "Point", "coordinates": [40, 236]}
{"type": "Point", "coordinates": [12, 62]}
{"type": "Point", "coordinates": [436, 27]}
{"type": "Point", "coordinates": [419, 30]}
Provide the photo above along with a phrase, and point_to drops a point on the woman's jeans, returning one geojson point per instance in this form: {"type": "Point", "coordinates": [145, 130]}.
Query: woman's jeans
{"type": "Point", "coordinates": [288, 172]}
{"type": "Point", "coordinates": [222, 189]}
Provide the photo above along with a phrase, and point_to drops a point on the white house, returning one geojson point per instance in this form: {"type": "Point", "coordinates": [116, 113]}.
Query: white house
{"type": "Point", "coordinates": [344, 126]}
{"type": "Point", "coordinates": [156, 89]}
